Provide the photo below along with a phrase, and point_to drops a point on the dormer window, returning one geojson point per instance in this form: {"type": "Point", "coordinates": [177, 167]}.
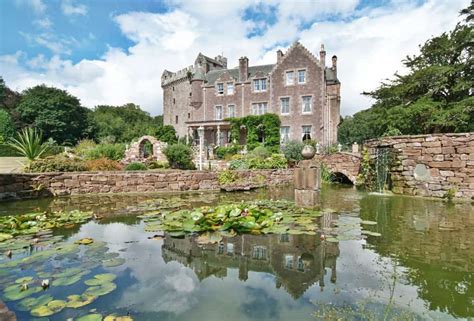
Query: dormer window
{"type": "Point", "coordinates": [289, 78]}
{"type": "Point", "coordinates": [220, 88]}
{"type": "Point", "coordinates": [301, 76]}
{"type": "Point", "coordinates": [230, 88]}
{"type": "Point", "coordinates": [260, 85]}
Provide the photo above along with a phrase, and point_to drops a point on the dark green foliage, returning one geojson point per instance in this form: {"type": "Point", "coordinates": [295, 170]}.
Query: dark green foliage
{"type": "Point", "coordinates": [275, 161]}
{"type": "Point", "coordinates": [227, 177]}
{"type": "Point", "coordinates": [7, 129]}
{"type": "Point", "coordinates": [136, 167]}
{"type": "Point", "coordinates": [179, 156]}
{"type": "Point", "coordinates": [292, 150]}
{"type": "Point", "coordinates": [157, 165]}
{"type": "Point", "coordinates": [166, 134]}
{"type": "Point", "coordinates": [110, 151]}
{"type": "Point", "coordinates": [433, 97]}
{"type": "Point", "coordinates": [55, 112]}
{"type": "Point", "coordinates": [122, 123]}
{"type": "Point", "coordinates": [266, 126]}
{"type": "Point", "coordinates": [223, 152]}
{"type": "Point", "coordinates": [8, 151]}
{"type": "Point", "coordinates": [57, 163]}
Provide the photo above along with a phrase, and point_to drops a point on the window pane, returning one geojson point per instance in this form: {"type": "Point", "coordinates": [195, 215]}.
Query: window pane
{"type": "Point", "coordinates": [285, 105]}
{"type": "Point", "coordinates": [306, 133]}
{"type": "Point", "coordinates": [230, 88]}
{"type": "Point", "coordinates": [218, 112]}
{"type": "Point", "coordinates": [289, 77]}
{"type": "Point", "coordinates": [284, 134]}
{"type": "Point", "coordinates": [301, 76]}
{"type": "Point", "coordinates": [263, 84]}
{"type": "Point", "coordinates": [256, 85]}
{"type": "Point", "coordinates": [307, 104]}
{"type": "Point", "coordinates": [220, 88]}
{"type": "Point", "coordinates": [231, 112]}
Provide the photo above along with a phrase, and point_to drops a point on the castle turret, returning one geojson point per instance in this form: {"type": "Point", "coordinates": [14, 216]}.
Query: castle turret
{"type": "Point", "coordinates": [197, 81]}
{"type": "Point", "coordinates": [322, 56]}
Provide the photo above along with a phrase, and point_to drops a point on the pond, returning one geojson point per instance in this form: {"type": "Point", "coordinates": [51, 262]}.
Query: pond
{"type": "Point", "coordinates": [415, 263]}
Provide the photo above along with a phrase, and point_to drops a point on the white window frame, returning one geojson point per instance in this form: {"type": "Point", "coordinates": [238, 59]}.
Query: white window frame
{"type": "Point", "coordinates": [221, 116]}
{"type": "Point", "coordinates": [303, 132]}
{"type": "Point", "coordinates": [259, 108]}
{"type": "Point", "coordinates": [219, 92]}
{"type": "Point", "coordinates": [230, 85]}
{"type": "Point", "coordinates": [303, 104]}
{"type": "Point", "coordinates": [281, 105]}
{"type": "Point", "coordinates": [284, 139]}
{"type": "Point", "coordinates": [234, 111]}
{"type": "Point", "coordinates": [292, 78]}
{"type": "Point", "coordinates": [258, 85]}
{"type": "Point", "coordinates": [298, 73]}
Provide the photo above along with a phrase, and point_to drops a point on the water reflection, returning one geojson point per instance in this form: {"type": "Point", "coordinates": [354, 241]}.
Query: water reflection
{"type": "Point", "coordinates": [296, 261]}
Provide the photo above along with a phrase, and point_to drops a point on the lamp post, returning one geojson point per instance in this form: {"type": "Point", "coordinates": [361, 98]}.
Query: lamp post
{"type": "Point", "coordinates": [201, 143]}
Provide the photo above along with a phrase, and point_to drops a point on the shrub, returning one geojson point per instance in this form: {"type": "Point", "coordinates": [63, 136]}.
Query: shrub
{"type": "Point", "coordinates": [223, 152]}
{"type": "Point", "coordinates": [29, 143]}
{"type": "Point", "coordinates": [83, 146]}
{"type": "Point", "coordinates": [179, 156]}
{"type": "Point", "coordinates": [136, 167]}
{"type": "Point", "coordinates": [275, 161]}
{"type": "Point", "coordinates": [57, 163]}
{"type": "Point", "coordinates": [111, 151]}
{"type": "Point", "coordinates": [7, 129]}
{"type": "Point", "coordinates": [8, 151]}
{"type": "Point", "coordinates": [157, 165]}
{"type": "Point", "coordinates": [260, 152]}
{"type": "Point", "coordinates": [227, 177]}
{"type": "Point", "coordinates": [292, 150]}
{"type": "Point", "coordinates": [102, 164]}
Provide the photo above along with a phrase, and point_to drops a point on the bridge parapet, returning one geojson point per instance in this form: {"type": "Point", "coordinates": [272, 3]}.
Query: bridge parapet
{"type": "Point", "coordinates": [344, 163]}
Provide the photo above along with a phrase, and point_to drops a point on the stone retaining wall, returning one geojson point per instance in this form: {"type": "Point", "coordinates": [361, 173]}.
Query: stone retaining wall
{"type": "Point", "coordinates": [18, 186]}
{"type": "Point", "coordinates": [430, 165]}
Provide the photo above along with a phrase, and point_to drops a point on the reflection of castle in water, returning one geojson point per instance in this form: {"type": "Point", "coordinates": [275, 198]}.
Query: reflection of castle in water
{"type": "Point", "coordinates": [297, 261]}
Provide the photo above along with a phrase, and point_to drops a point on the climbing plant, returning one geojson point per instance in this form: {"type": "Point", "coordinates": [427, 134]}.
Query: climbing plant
{"type": "Point", "coordinates": [266, 126]}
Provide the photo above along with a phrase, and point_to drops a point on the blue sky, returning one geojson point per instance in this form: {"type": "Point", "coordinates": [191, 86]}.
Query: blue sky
{"type": "Point", "coordinates": [114, 51]}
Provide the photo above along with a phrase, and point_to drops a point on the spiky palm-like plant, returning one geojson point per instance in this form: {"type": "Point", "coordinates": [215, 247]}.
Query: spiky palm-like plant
{"type": "Point", "coordinates": [29, 143]}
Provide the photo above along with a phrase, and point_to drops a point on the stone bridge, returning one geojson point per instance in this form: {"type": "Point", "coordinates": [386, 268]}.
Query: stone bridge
{"type": "Point", "coordinates": [345, 166]}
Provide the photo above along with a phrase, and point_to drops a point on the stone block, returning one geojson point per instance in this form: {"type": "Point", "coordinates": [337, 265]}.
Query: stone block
{"type": "Point", "coordinates": [431, 144]}
{"type": "Point", "coordinates": [446, 173]}
{"type": "Point", "coordinates": [447, 150]}
{"type": "Point", "coordinates": [432, 150]}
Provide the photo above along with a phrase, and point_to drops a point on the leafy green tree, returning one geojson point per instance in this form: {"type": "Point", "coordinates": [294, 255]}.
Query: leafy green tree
{"type": "Point", "coordinates": [166, 134]}
{"type": "Point", "coordinates": [435, 96]}
{"type": "Point", "coordinates": [55, 112]}
{"type": "Point", "coordinates": [7, 129]}
{"type": "Point", "coordinates": [179, 156]}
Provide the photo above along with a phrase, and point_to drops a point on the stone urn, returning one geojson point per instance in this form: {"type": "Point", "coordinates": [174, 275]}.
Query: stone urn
{"type": "Point", "coordinates": [308, 152]}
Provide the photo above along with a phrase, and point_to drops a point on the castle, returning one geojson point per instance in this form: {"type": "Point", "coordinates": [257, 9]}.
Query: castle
{"type": "Point", "coordinates": [299, 88]}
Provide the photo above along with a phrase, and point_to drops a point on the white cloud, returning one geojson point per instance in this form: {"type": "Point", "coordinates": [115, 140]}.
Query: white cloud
{"type": "Point", "coordinates": [43, 23]}
{"type": "Point", "coordinates": [37, 5]}
{"type": "Point", "coordinates": [69, 8]}
{"type": "Point", "coordinates": [370, 45]}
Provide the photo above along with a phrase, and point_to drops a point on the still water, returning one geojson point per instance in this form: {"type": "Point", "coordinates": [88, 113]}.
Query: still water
{"type": "Point", "coordinates": [420, 268]}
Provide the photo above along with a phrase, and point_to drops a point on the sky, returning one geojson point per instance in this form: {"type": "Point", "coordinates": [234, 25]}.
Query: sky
{"type": "Point", "coordinates": [114, 51]}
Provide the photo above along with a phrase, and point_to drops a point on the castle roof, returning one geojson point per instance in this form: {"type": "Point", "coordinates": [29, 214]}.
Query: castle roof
{"type": "Point", "coordinates": [213, 75]}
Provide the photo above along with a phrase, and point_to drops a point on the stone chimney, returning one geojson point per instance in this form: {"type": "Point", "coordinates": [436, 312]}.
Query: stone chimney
{"type": "Point", "coordinates": [243, 68]}
{"type": "Point", "coordinates": [334, 64]}
{"type": "Point", "coordinates": [222, 60]}
{"type": "Point", "coordinates": [279, 56]}
{"type": "Point", "coordinates": [322, 56]}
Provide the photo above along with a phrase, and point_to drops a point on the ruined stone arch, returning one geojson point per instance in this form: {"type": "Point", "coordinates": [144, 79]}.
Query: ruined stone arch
{"type": "Point", "coordinates": [135, 152]}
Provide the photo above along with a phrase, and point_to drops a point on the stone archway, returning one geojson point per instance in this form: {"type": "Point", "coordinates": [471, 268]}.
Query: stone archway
{"type": "Point", "coordinates": [135, 152]}
{"type": "Point", "coordinates": [346, 165]}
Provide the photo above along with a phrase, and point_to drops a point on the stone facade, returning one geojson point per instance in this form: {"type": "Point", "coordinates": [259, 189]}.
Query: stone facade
{"type": "Point", "coordinates": [135, 152]}
{"type": "Point", "coordinates": [430, 165]}
{"type": "Point", "coordinates": [18, 186]}
{"type": "Point", "coordinates": [299, 88]}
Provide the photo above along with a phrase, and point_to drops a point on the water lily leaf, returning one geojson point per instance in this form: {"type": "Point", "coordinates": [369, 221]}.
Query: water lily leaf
{"type": "Point", "coordinates": [69, 280]}
{"type": "Point", "coordinates": [28, 304]}
{"type": "Point", "coordinates": [209, 238]}
{"type": "Point", "coordinates": [113, 262]}
{"type": "Point", "coordinates": [51, 308]}
{"type": "Point", "coordinates": [370, 233]}
{"type": "Point", "coordinates": [103, 289]}
{"type": "Point", "coordinates": [100, 279]}
{"type": "Point", "coordinates": [76, 301]}
{"type": "Point", "coordinates": [90, 317]}
{"type": "Point", "coordinates": [368, 222]}
{"type": "Point", "coordinates": [114, 317]}
{"type": "Point", "coordinates": [5, 236]}
{"type": "Point", "coordinates": [85, 241]}
{"type": "Point", "coordinates": [25, 279]}
{"type": "Point", "coordinates": [177, 234]}
{"type": "Point", "coordinates": [332, 239]}
{"type": "Point", "coordinates": [14, 294]}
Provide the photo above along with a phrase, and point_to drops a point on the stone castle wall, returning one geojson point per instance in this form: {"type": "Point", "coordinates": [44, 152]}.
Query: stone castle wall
{"type": "Point", "coordinates": [18, 186]}
{"type": "Point", "coordinates": [430, 165]}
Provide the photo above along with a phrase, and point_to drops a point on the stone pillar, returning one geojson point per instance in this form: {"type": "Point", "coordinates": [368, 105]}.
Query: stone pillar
{"type": "Point", "coordinates": [218, 135]}
{"type": "Point", "coordinates": [307, 180]}
{"type": "Point", "coordinates": [355, 148]}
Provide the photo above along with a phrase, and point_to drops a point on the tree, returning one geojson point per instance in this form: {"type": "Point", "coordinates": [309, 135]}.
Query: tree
{"type": "Point", "coordinates": [56, 113]}
{"type": "Point", "coordinates": [166, 134]}
{"type": "Point", "coordinates": [435, 96]}
{"type": "Point", "coordinates": [7, 129]}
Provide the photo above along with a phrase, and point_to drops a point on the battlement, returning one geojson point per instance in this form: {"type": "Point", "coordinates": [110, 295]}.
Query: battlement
{"type": "Point", "coordinates": [169, 77]}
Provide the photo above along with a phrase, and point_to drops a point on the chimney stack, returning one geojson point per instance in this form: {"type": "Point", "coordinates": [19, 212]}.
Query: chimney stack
{"type": "Point", "coordinates": [243, 68]}
{"type": "Point", "coordinates": [279, 56]}
{"type": "Point", "coordinates": [322, 56]}
{"type": "Point", "coordinates": [334, 62]}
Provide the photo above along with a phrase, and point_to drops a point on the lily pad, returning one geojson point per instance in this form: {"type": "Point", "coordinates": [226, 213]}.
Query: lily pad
{"type": "Point", "coordinates": [90, 317]}
{"type": "Point", "coordinates": [100, 279]}
{"type": "Point", "coordinates": [51, 308]}
{"type": "Point", "coordinates": [85, 241]}
{"type": "Point", "coordinates": [103, 289]}
{"type": "Point", "coordinates": [5, 236]}
{"type": "Point", "coordinates": [114, 317]}
{"type": "Point", "coordinates": [76, 301]}
{"type": "Point", "coordinates": [368, 222]}
{"type": "Point", "coordinates": [69, 280]}
{"type": "Point", "coordinates": [26, 279]}
{"type": "Point", "coordinates": [113, 262]}
{"type": "Point", "coordinates": [28, 304]}
{"type": "Point", "coordinates": [16, 293]}
{"type": "Point", "coordinates": [370, 233]}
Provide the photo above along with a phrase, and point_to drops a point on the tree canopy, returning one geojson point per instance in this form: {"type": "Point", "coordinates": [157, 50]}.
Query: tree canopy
{"type": "Point", "coordinates": [55, 112]}
{"type": "Point", "coordinates": [434, 96]}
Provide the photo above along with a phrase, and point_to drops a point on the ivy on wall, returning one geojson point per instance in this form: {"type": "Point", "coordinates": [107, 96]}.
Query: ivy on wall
{"type": "Point", "coordinates": [258, 126]}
